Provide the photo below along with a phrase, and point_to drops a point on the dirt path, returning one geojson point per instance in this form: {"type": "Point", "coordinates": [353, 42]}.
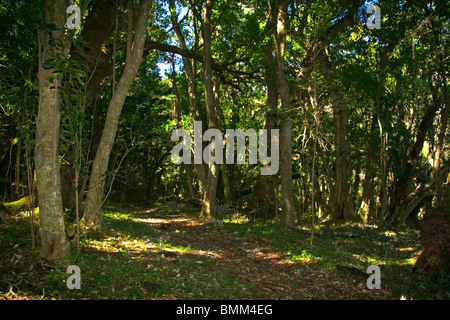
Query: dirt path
{"type": "Point", "coordinates": [253, 260]}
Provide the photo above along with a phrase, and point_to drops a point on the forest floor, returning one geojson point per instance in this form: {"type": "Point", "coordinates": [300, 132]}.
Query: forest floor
{"type": "Point", "coordinates": [167, 252]}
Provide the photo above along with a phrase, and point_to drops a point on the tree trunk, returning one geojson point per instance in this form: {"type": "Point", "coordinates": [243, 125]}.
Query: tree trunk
{"type": "Point", "coordinates": [176, 92]}
{"type": "Point", "coordinates": [366, 208]}
{"type": "Point", "coordinates": [54, 243]}
{"type": "Point", "coordinates": [263, 201]}
{"type": "Point", "coordinates": [209, 200]}
{"type": "Point", "coordinates": [96, 31]}
{"type": "Point", "coordinates": [17, 171]}
{"type": "Point", "coordinates": [439, 39]}
{"type": "Point", "coordinates": [94, 200]}
{"type": "Point", "coordinates": [145, 183]}
{"type": "Point", "coordinates": [355, 188]}
{"type": "Point", "coordinates": [435, 237]}
{"type": "Point", "coordinates": [287, 192]}
{"type": "Point", "coordinates": [342, 208]}
{"type": "Point", "coordinates": [383, 155]}
{"type": "Point", "coordinates": [194, 113]}
{"type": "Point", "coordinates": [228, 194]}
{"type": "Point", "coordinates": [402, 185]}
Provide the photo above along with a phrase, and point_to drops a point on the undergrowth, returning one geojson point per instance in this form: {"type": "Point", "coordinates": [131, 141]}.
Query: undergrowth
{"type": "Point", "coordinates": [133, 259]}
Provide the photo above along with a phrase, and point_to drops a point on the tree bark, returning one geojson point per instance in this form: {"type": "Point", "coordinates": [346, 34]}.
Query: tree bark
{"type": "Point", "coordinates": [263, 201]}
{"type": "Point", "coordinates": [54, 243]}
{"type": "Point", "coordinates": [287, 192]}
{"type": "Point", "coordinates": [209, 200]}
{"type": "Point", "coordinates": [94, 200]}
{"type": "Point", "coordinates": [96, 30]}
{"type": "Point", "coordinates": [342, 208]}
{"type": "Point", "coordinates": [194, 114]}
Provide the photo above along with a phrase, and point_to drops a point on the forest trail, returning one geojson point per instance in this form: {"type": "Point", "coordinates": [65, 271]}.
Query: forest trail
{"type": "Point", "coordinates": [165, 252]}
{"type": "Point", "coordinates": [252, 260]}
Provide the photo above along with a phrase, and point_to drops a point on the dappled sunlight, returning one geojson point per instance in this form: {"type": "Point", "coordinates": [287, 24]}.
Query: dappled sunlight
{"type": "Point", "coordinates": [152, 255]}
{"type": "Point", "coordinates": [145, 246]}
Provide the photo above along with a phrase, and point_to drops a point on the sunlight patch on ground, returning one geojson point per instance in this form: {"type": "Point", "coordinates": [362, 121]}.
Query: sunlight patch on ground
{"type": "Point", "coordinates": [134, 246]}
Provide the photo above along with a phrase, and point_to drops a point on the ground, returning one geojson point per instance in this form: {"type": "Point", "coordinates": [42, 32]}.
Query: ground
{"type": "Point", "coordinates": [167, 252]}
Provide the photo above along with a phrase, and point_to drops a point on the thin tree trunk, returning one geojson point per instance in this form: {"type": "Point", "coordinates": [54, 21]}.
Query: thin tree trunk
{"type": "Point", "coordinates": [77, 209]}
{"type": "Point", "coordinates": [367, 209]}
{"type": "Point", "coordinates": [176, 92]}
{"type": "Point", "coordinates": [31, 177]}
{"type": "Point", "coordinates": [226, 182]}
{"type": "Point", "coordinates": [228, 195]}
{"type": "Point", "coordinates": [144, 173]}
{"type": "Point", "coordinates": [367, 191]}
{"type": "Point", "coordinates": [383, 157]}
{"type": "Point", "coordinates": [54, 243]}
{"type": "Point", "coordinates": [438, 152]}
{"type": "Point", "coordinates": [135, 48]}
{"type": "Point", "coordinates": [439, 183]}
{"type": "Point", "coordinates": [355, 188]}
{"type": "Point", "coordinates": [313, 177]}
{"type": "Point", "coordinates": [17, 174]}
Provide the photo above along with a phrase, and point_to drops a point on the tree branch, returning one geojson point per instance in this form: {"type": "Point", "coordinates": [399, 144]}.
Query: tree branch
{"type": "Point", "coordinates": [186, 53]}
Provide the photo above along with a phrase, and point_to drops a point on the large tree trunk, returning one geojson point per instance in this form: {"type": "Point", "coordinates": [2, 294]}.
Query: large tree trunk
{"type": "Point", "coordinates": [91, 58]}
{"type": "Point", "coordinates": [54, 243]}
{"type": "Point", "coordinates": [342, 208]}
{"type": "Point", "coordinates": [435, 237]}
{"type": "Point", "coordinates": [287, 192]}
{"type": "Point", "coordinates": [263, 202]}
{"type": "Point", "coordinates": [209, 200]}
{"type": "Point", "coordinates": [92, 215]}
{"type": "Point", "coordinates": [342, 205]}
{"type": "Point", "coordinates": [194, 114]}
{"type": "Point", "coordinates": [96, 30]}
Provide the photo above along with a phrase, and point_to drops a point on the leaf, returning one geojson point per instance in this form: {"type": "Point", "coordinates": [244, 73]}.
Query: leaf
{"type": "Point", "coordinates": [47, 65]}
{"type": "Point", "coordinates": [14, 141]}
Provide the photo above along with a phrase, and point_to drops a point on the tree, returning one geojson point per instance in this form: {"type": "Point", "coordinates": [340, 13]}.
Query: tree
{"type": "Point", "coordinates": [54, 243]}
{"type": "Point", "coordinates": [435, 237]}
{"type": "Point", "coordinates": [209, 201]}
{"type": "Point", "coordinates": [135, 49]}
{"type": "Point", "coordinates": [287, 195]}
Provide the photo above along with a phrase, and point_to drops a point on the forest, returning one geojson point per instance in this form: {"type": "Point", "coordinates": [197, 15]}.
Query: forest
{"type": "Point", "coordinates": [224, 150]}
